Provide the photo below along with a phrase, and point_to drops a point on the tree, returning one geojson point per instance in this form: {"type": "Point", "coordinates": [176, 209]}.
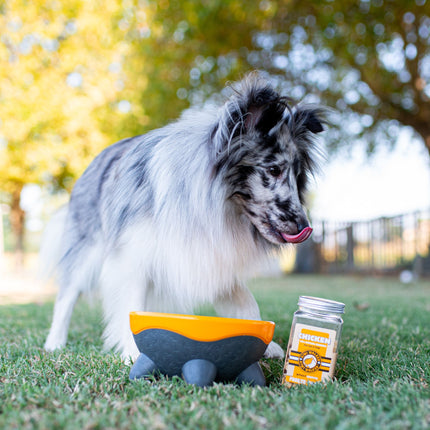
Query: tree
{"type": "Point", "coordinates": [183, 52]}
{"type": "Point", "coordinates": [55, 86]}
{"type": "Point", "coordinates": [368, 57]}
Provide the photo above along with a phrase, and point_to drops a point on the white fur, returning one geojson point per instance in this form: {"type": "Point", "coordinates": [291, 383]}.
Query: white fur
{"type": "Point", "coordinates": [174, 274]}
{"type": "Point", "coordinates": [49, 253]}
{"type": "Point", "coordinates": [130, 272]}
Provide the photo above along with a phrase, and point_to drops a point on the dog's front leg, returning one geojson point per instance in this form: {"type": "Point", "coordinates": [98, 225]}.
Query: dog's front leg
{"type": "Point", "coordinates": [240, 303]}
{"type": "Point", "coordinates": [123, 290]}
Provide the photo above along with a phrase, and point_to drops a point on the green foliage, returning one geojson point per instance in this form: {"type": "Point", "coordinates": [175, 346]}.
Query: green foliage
{"type": "Point", "coordinates": [369, 59]}
{"type": "Point", "coordinates": [77, 76]}
{"type": "Point", "coordinates": [382, 372]}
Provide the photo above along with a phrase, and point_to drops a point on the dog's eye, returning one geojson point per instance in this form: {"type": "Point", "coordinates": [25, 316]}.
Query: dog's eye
{"type": "Point", "coordinates": [275, 171]}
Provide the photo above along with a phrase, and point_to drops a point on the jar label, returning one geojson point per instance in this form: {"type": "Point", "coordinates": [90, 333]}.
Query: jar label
{"type": "Point", "coordinates": [311, 355]}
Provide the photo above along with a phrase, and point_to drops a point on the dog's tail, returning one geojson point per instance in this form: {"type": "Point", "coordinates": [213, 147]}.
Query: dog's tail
{"type": "Point", "coordinates": [51, 246]}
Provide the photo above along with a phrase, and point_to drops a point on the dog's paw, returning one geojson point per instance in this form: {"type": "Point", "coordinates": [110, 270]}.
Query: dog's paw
{"type": "Point", "coordinates": [274, 351]}
{"type": "Point", "coordinates": [129, 356]}
{"type": "Point", "coordinates": [52, 344]}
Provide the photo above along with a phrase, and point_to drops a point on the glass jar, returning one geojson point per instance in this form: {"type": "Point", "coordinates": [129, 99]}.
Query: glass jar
{"type": "Point", "coordinates": [314, 340]}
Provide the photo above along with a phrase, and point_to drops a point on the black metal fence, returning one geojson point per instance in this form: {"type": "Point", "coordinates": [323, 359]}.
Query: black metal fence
{"type": "Point", "coordinates": [383, 245]}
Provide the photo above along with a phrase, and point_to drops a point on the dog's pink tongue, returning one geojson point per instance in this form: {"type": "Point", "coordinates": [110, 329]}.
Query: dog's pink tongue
{"type": "Point", "coordinates": [297, 238]}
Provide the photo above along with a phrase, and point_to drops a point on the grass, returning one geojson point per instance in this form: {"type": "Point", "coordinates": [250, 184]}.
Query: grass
{"type": "Point", "coordinates": [382, 375]}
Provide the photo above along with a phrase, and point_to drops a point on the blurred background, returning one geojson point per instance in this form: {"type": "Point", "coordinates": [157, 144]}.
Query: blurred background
{"type": "Point", "coordinates": [76, 76]}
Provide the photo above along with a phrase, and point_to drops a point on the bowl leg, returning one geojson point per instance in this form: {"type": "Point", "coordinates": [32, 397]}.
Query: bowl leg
{"type": "Point", "coordinates": [142, 367]}
{"type": "Point", "coordinates": [252, 375]}
{"type": "Point", "coordinates": [199, 372]}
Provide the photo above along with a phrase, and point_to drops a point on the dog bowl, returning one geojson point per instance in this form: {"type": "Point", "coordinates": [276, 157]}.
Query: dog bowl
{"type": "Point", "coordinates": [201, 349]}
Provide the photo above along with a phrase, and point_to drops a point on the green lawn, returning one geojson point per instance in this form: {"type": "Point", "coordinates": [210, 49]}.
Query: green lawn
{"type": "Point", "coordinates": [383, 370]}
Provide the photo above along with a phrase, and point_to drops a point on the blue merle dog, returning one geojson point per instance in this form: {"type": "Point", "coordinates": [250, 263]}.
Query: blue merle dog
{"type": "Point", "coordinates": [180, 216]}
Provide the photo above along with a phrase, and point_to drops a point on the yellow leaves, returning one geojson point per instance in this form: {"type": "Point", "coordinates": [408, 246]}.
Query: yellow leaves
{"type": "Point", "coordinates": [55, 79]}
{"type": "Point", "coordinates": [24, 17]}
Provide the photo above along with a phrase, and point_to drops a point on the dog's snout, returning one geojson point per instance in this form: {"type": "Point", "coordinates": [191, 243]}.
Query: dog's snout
{"type": "Point", "coordinates": [302, 224]}
{"type": "Point", "coordinates": [294, 217]}
{"type": "Point", "coordinates": [298, 226]}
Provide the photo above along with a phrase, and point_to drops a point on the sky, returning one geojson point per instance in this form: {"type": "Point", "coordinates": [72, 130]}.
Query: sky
{"type": "Point", "coordinates": [354, 187]}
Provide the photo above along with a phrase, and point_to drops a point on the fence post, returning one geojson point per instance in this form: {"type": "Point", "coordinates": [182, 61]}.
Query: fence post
{"type": "Point", "coordinates": [350, 246]}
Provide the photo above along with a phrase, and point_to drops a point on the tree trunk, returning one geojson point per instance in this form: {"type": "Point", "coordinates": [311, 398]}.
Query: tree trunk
{"type": "Point", "coordinates": [425, 134]}
{"type": "Point", "coordinates": [17, 221]}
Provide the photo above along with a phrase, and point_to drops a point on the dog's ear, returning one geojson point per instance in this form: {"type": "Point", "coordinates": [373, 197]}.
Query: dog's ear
{"type": "Point", "coordinates": [308, 119]}
{"type": "Point", "coordinates": [264, 110]}
{"type": "Point", "coordinates": [304, 123]}
{"type": "Point", "coordinates": [253, 107]}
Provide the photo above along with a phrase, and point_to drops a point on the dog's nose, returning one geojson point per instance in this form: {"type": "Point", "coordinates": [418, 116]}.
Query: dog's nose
{"type": "Point", "coordinates": [302, 224]}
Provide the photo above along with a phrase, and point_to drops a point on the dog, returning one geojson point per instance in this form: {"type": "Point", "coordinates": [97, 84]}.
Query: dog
{"type": "Point", "coordinates": [178, 217]}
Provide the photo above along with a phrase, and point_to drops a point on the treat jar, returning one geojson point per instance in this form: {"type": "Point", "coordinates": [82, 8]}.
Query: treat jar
{"type": "Point", "coordinates": [314, 340]}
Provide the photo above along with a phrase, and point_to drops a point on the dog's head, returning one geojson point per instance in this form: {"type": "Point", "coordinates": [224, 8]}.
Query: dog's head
{"type": "Point", "coordinates": [265, 151]}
